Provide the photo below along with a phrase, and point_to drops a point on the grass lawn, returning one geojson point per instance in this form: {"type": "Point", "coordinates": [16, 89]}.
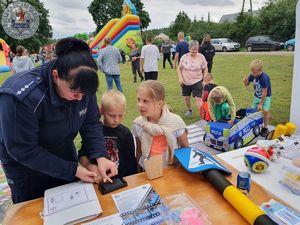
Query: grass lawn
{"type": "Point", "coordinates": [228, 71]}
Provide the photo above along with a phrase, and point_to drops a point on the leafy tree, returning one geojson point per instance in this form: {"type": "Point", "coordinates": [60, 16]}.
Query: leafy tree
{"type": "Point", "coordinates": [143, 14]}
{"type": "Point", "coordinates": [278, 18]}
{"type": "Point", "coordinates": [104, 10]}
{"type": "Point", "coordinates": [244, 27]}
{"type": "Point", "coordinates": [42, 35]}
{"type": "Point", "coordinates": [181, 23]}
{"type": "Point", "coordinates": [82, 36]}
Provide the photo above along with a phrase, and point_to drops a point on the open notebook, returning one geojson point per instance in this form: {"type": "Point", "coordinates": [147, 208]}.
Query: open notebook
{"type": "Point", "coordinates": [70, 204]}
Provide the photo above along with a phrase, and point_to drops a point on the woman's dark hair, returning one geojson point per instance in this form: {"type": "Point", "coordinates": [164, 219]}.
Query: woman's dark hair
{"type": "Point", "coordinates": [76, 65]}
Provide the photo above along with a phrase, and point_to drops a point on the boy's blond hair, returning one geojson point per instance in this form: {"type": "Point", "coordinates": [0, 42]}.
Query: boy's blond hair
{"type": "Point", "coordinates": [112, 98]}
{"type": "Point", "coordinates": [216, 94]}
{"type": "Point", "coordinates": [256, 64]}
{"type": "Point", "coordinates": [180, 35]}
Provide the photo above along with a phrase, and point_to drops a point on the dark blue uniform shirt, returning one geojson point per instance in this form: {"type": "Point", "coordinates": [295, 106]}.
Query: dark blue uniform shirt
{"type": "Point", "coordinates": [37, 127]}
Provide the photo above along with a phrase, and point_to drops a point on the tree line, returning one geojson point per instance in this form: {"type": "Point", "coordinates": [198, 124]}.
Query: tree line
{"type": "Point", "coordinates": [277, 18]}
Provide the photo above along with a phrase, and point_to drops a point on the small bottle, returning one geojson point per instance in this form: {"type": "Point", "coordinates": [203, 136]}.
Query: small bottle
{"type": "Point", "coordinates": [244, 182]}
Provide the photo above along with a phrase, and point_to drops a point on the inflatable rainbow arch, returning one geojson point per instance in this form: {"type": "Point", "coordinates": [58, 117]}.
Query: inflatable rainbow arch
{"type": "Point", "coordinates": [122, 32]}
{"type": "Point", "coordinates": [4, 56]}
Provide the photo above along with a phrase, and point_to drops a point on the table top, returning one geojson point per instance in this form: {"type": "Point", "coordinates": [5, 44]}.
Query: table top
{"type": "Point", "coordinates": [175, 180]}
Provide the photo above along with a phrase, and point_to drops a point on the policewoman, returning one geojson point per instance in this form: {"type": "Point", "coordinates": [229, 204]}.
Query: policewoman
{"type": "Point", "coordinates": [42, 110]}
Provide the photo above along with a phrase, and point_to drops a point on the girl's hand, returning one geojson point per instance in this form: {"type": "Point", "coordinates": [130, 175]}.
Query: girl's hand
{"type": "Point", "coordinates": [94, 168]}
{"type": "Point", "coordinates": [85, 175]}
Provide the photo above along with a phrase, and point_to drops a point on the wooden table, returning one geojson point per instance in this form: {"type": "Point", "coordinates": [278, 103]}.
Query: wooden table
{"type": "Point", "coordinates": [175, 180]}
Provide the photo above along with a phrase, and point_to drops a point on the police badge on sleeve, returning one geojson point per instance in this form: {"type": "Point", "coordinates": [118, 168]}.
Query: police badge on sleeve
{"type": "Point", "coordinates": [20, 20]}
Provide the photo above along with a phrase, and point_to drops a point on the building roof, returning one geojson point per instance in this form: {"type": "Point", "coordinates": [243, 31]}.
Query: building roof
{"type": "Point", "coordinates": [231, 17]}
{"type": "Point", "coordinates": [162, 36]}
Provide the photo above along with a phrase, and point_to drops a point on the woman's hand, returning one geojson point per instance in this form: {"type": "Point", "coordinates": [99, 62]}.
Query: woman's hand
{"type": "Point", "coordinates": [107, 169]}
{"type": "Point", "coordinates": [85, 175]}
{"type": "Point", "coordinates": [180, 82]}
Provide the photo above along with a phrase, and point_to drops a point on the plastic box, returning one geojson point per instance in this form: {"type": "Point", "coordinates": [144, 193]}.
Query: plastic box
{"type": "Point", "coordinates": [182, 210]}
{"type": "Point", "coordinates": [290, 178]}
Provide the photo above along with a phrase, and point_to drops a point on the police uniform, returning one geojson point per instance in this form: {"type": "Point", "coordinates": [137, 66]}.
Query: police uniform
{"type": "Point", "coordinates": [37, 129]}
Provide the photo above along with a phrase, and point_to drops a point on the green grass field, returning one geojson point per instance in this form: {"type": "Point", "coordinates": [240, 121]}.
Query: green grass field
{"type": "Point", "coordinates": [228, 71]}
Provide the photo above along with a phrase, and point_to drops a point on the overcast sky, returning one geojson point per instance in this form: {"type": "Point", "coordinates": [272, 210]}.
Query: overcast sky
{"type": "Point", "coordinates": [70, 17]}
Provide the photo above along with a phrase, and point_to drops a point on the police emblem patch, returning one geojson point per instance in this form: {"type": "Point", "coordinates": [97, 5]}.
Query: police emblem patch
{"type": "Point", "coordinates": [20, 20]}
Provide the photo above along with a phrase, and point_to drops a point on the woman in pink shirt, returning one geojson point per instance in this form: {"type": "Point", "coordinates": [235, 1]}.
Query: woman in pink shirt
{"type": "Point", "coordinates": [191, 69]}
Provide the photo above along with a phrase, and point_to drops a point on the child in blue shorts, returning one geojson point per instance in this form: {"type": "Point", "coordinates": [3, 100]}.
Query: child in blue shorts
{"type": "Point", "coordinates": [262, 91]}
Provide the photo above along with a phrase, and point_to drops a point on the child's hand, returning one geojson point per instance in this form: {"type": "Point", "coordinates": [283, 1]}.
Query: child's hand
{"type": "Point", "coordinates": [199, 102]}
{"type": "Point", "coordinates": [231, 122]}
{"type": "Point", "coordinates": [84, 174]}
{"type": "Point", "coordinates": [259, 107]}
{"type": "Point", "coordinates": [94, 168]}
{"type": "Point", "coordinates": [245, 80]}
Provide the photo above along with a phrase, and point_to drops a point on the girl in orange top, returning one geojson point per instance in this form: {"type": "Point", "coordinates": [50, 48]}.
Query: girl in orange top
{"type": "Point", "coordinates": [157, 130]}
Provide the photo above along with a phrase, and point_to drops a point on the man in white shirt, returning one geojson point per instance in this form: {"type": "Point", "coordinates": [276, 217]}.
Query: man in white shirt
{"type": "Point", "coordinates": [149, 60]}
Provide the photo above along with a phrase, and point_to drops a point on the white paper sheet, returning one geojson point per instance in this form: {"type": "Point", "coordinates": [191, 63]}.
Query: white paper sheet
{"type": "Point", "coordinates": [130, 200]}
{"type": "Point", "coordinates": [70, 204]}
{"type": "Point", "coordinates": [66, 199]}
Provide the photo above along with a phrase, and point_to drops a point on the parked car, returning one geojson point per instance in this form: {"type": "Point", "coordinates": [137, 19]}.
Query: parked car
{"type": "Point", "coordinates": [225, 44]}
{"type": "Point", "coordinates": [263, 43]}
{"type": "Point", "coordinates": [225, 137]}
{"type": "Point", "coordinates": [290, 45]}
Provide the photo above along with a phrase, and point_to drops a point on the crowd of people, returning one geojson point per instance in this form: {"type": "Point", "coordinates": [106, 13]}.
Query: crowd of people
{"type": "Point", "coordinates": [21, 60]}
{"type": "Point", "coordinates": [43, 111]}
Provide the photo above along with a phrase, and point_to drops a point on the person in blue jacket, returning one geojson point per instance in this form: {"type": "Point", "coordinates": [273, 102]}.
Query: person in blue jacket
{"type": "Point", "coordinates": [42, 110]}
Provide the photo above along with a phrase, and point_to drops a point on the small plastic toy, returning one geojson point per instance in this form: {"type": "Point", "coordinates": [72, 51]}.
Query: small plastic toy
{"type": "Point", "coordinates": [290, 179]}
{"type": "Point", "coordinates": [257, 159]}
{"type": "Point", "coordinates": [288, 129]}
{"type": "Point", "coordinates": [285, 146]}
{"type": "Point", "coordinates": [271, 146]}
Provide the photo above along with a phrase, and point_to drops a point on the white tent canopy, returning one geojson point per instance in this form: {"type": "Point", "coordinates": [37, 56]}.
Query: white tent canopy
{"type": "Point", "coordinates": [162, 36]}
{"type": "Point", "coordinates": [295, 102]}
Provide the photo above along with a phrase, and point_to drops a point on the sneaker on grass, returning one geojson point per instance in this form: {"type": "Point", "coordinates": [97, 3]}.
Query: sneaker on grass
{"type": "Point", "coordinates": [188, 113]}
